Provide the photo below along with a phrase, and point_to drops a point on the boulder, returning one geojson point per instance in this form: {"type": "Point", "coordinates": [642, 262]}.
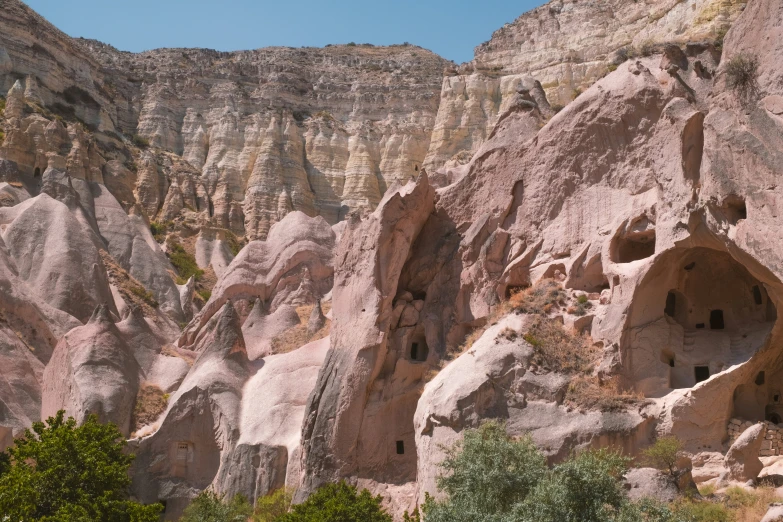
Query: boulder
{"type": "Point", "coordinates": [650, 483]}
{"type": "Point", "coordinates": [742, 459]}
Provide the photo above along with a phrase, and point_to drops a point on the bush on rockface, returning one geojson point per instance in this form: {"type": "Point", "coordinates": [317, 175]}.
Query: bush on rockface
{"type": "Point", "coordinates": [742, 74]}
{"type": "Point", "coordinates": [184, 262]}
{"type": "Point", "coordinates": [274, 505]}
{"type": "Point", "coordinates": [58, 472]}
{"type": "Point", "coordinates": [489, 477]}
{"type": "Point", "coordinates": [338, 503]}
{"type": "Point", "coordinates": [211, 507]}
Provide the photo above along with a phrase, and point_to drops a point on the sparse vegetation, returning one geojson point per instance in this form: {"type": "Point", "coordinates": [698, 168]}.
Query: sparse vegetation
{"type": "Point", "coordinates": [183, 261]}
{"type": "Point", "coordinates": [131, 290]}
{"type": "Point", "coordinates": [338, 503]}
{"type": "Point", "coordinates": [557, 349]}
{"type": "Point", "coordinates": [140, 141]}
{"type": "Point", "coordinates": [159, 230]}
{"type": "Point", "coordinates": [591, 393]}
{"type": "Point", "coordinates": [647, 48]}
{"type": "Point", "coordinates": [742, 75]}
{"type": "Point", "coordinates": [208, 506]}
{"type": "Point", "coordinates": [297, 336]}
{"type": "Point", "coordinates": [273, 505]}
{"type": "Point", "coordinates": [204, 294]}
{"type": "Point", "coordinates": [663, 454]}
{"type": "Point", "coordinates": [143, 294]}
{"type": "Point", "coordinates": [538, 299]}
{"type": "Point", "coordinates": [151, 401]}
{"type": "Point", "coordinates": [234, 244]}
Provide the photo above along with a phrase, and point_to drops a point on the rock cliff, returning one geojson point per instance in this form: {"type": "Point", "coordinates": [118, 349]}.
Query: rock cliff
{"type": "Point", "coordinates": [253, 238]}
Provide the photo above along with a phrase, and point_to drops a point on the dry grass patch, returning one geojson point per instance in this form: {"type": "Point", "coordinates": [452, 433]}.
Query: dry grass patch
{"type": "Point", "coordinates": [556, 349]}
{"type": "Point", "coordinates": [130, 289]}
{"type": "Point", "coordinates": [540, 298]}
{"type": "Point", "coordinates": [590, 393]}
{"type": "Point", "coordinates": [297, 336]}
{"type": "Point", "coordinates": [749, 506]}
{"type": "Point", "coordinates": [150, 403]}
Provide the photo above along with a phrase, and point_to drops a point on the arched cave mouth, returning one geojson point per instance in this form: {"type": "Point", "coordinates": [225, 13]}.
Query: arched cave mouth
{"type": "Point", "coordinates": [634, 241]}
{"type": "Point", "coordinates": [696, 313]}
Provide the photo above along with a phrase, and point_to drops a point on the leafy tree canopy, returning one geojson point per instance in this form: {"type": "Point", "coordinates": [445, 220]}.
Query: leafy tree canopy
{"type": "Point", "coordinates": [338, 503]}
{"type": "Point", "coordinates": [60, 472]}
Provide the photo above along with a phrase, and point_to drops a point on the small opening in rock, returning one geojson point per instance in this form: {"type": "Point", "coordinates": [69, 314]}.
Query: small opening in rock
{"type": "Point", "coordinates": [690, 266]}
{"type": "Point", "coordinates": [634, 248]}
{"type": "Point", "coordinates": [700, 325]}
{"type": "Point", "coordinates": [671, 362]}
{"type": "Point", "coordinates": [701, 373]}
{"type": "Point", "coordinates": [716, 320]}
{"type": "Point", "coordinates": [774, 418]}
{"type": "Point", "coordinates": [400, 447]}
{"type": "Point", "coordinates": [759, 379]}
{"type": "Point", "coordinates": [211, 209]}
{"type": "Point", "coordinates": [776, 398]}
{"type": "Point", "coordinates": [416, 168]}
{"type": "Point", "coordinates": [671, 304]}
{"type": "Point", "coordinates": [735, 209]}
{"type": "Point", "coordinates": [37, 173]}
{"type": "Point", "coordinates": [419, 351]}
{"type": "Point", "coordinates": [162, 502]}
{"type": "Point", "coordinates": [757, 295]}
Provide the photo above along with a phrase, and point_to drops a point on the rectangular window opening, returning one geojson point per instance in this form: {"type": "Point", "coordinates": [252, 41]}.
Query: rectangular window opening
{"type": "Point", "coordinates": [702, 373]}
{"type": "Point", "coordinates": [400, 447]}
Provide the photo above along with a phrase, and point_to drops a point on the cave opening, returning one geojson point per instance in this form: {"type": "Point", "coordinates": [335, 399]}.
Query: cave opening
{"type": "Point", "coordinates": [400, 447]}
{"type": "Point", "coordinates": [757, 298]}
{"type": "Point", "coordinates": [634, 247]}
{"type": "Point", "coordinates": [716, 320]}
{"type": "Point", "coordinates": [774, 418]}
{"type": "Point", "coordinates": [697, 314]}
{"type": "Point", "coordinates": [701, 373]}
{"type": "Point", "coordinates": [419, 350]}
{"type": "Point", "coordinates": [37, 173]}
{"type": "Point", "coordinates": [760, 378]}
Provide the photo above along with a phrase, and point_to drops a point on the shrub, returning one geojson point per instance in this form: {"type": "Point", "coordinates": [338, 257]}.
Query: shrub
{"type": "Point", "coordinates": [486, 475]}
{"type": "Point", "coordinates": [338, 503]}
{"type": "Point", "coordinates": [591, 393]}
{"type": "Point", "coordinates": [204, 294]}
{"type": "Point", "coordinates": [60, 471]}
{"type": "Point", "coordinates": [663, 454]}
{"type": "Point", "coordinates": [701, 511]}
{"type": "Point", "coordinates": [234, 244]}
{"type": "Point", "coordinates": [742, 75]}
{"type": "Point", "coordinates": [557, 349]}
{"type": "Point", "coordinates": [351, 44]}
{"type": "Point", "coordinates": [2, 105]}
{"type": "Point", "coordinates": [211, 507]}
{"type": "Point", "coordinates": [2, 137]}
{"type": "Point", "coordinates": [159, 230]}
{"type": "Point", "coordinates": [538, 299]}
{"type": "Point", "coordinates": [184, 262]}
{"type": "Point", "coordinates": [274, 505]}
{"type": "Point", "coordinates": [140, 141]}
{"type": "Point", "coordinates": [489, 477]}
{"type": "Point", "coordinates": [144, 294]}
{"type": "Point", "coordinates": [587, 487]}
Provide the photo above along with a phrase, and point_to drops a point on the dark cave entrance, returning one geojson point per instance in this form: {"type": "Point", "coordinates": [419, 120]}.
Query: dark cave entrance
{"type": "Point", "coordinates": [419, 350]}
{"type": "Point", "coordinates": [701, 373]}
{"type": "Point", "coordinates": [716, 320]}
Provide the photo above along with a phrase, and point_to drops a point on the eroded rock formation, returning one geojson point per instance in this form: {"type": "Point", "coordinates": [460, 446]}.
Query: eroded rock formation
{"type": "Point", "coordinates": [256, 234]}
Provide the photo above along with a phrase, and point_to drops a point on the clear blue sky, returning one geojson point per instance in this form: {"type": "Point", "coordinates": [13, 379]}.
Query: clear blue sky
{"type": "Point", "coordinates": [451, 28]}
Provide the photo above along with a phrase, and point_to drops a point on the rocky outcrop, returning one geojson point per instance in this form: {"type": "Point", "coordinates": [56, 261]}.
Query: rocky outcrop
{"type": "Point", "coordinates": [566, 46]}
{"type": "Point", "coordinates": [200, 428]}
{"type": "Point", "coordinates": [367, 374]}
{"type": "Point", "coordinates": [742, 458]}
{"type": "Point", "coordinates": [294, 263]}
{"type": "Point", "coordinates": [92, 371]}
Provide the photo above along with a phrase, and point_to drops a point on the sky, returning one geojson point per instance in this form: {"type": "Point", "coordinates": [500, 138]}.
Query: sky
{"type": "Point", "coordinates": [451, 28]}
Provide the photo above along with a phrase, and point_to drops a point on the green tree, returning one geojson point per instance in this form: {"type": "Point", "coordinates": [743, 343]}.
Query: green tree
{"type": "Point", "coordinates": [338, 503]}
{"type": "Point", "coordinates": [211, 507]}
{"type": "Point", "coordinates": [585, 488]}
{"type": "Point", "coordinates": [274, 505]}
{"type": "Point", "coordinates": [60, 472]}
{"type": "Point", "coordinates": [663, 455]}
{"type": "Point", "coordinates": [485, 476]}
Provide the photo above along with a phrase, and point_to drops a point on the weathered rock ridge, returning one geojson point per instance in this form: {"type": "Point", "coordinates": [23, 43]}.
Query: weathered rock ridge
{"type": "Point", "coordinates": [311, 304]}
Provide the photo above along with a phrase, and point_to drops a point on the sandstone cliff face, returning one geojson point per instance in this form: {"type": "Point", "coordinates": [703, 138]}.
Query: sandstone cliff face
{"type": "Point", "coordinates": [567, 46]}
{"type": "Point", "coordinates": [322, 131]}
{"type": "Point", "coordinates": [652, 196]}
